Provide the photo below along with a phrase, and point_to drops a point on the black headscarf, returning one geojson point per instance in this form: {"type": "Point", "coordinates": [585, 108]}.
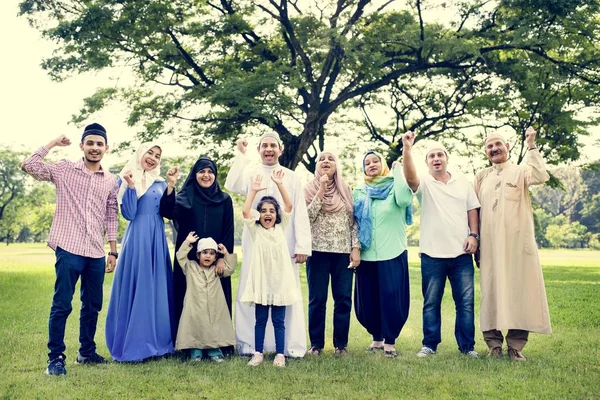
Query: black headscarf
{"type": "Point", "coordinates": [192, 192]}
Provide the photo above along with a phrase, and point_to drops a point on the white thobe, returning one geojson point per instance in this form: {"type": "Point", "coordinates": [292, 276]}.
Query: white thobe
{"type": "Point", "coordinates": [298, 237]}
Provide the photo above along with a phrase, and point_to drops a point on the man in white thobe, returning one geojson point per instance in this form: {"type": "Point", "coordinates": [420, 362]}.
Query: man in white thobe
{"type": "Point", "coordinates": [298, 236]}
{"type": "Point", "coordinates": [513, 296]}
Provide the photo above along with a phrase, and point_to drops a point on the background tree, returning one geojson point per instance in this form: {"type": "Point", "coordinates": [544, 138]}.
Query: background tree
{"type": "Point", "coordinates": [216, 68]}
{"type": "Point", "coordinates": [12, 178]}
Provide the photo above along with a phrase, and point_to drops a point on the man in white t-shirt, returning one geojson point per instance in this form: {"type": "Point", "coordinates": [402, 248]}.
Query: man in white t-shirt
{"type": "Point", "coordinates": [449, 237]}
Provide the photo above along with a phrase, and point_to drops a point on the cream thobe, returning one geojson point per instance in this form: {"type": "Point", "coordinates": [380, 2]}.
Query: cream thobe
{"type": "Point", "coordinates": [205, 321]}
{"type": "Point", "coordinates": [513, 295]}
{"type": "Point", "coordinates": [298, 238]}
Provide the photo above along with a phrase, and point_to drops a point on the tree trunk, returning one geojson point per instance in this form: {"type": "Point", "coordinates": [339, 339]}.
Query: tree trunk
{"type": "Point", "coordinates": [296, 148]}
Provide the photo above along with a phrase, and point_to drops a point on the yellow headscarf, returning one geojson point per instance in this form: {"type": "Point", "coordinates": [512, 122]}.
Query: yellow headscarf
{"type": "Point", "coordinates": [384, 168]}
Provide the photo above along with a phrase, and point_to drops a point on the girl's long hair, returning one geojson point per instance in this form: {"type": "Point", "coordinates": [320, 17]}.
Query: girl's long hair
{"type": "Point", "coordinates": [271, 200]}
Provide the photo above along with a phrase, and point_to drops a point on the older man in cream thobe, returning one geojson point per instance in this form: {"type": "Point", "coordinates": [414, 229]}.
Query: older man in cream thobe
{"type": "Point", "coordinates": [513, 296]}
{"type": "Point", "coordinates": [298, 238]}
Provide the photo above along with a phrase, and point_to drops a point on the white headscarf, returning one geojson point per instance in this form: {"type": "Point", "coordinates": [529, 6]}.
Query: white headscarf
{"type": "Point", "coordinates": [143, 179]}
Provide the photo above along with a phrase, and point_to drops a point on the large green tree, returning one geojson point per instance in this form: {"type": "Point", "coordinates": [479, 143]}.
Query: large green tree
{"type": "Point", "coordinates": [219, 67]}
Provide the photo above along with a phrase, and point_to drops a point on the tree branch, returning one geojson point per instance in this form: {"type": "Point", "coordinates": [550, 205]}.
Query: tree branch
{"type": "Point", "coordinates": [189, 60]}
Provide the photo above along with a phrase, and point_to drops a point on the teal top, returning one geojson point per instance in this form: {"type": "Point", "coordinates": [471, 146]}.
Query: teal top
{"type": "Point", "coordinates": [388, 237]}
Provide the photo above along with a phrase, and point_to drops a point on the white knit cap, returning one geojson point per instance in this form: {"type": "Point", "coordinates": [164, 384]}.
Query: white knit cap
{"type": "Point", "coordinates": [494, 136]}
{"type": "Point", "coordinates": [207, 243]}
{"type": "Point", "coordinates": [433, 145]}
{"type": "Point", "coordinates": [271, 134]}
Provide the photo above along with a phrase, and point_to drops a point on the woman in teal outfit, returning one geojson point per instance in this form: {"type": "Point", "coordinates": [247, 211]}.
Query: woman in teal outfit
{"type": "Point", "coordinates": [382, 210]}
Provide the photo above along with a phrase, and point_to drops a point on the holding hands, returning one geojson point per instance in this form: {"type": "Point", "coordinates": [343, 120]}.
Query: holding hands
{"type": "Point", "coordinates": [530, 134]}
{"type": "Point", "coordinates": [191, 237]}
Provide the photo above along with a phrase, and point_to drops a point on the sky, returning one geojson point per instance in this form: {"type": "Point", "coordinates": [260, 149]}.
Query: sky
{"type": "Point", "coordinates": [34, 109]}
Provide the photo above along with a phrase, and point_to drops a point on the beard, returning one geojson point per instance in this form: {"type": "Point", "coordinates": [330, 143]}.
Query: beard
{"type": "Point", "coordinates": [92, 161]}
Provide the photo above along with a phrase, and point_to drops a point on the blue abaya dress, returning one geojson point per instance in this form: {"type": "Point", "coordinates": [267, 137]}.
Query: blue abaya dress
{"type": "Point", "coordinates": [140, 311]}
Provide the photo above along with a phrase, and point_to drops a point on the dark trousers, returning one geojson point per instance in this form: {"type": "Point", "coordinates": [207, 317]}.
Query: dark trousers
{"type": "Point", "coordinates": [515, 338]}
{"type": "Point", "coordinates": [382, 297]}
{"type": "Point", "coordinates": [261, 314]}
{"type": "Point", "coordinates": [459, 272]}
{"type": "Point", "coordinates": [319, 267]}
{"type": "Point", "coordinates": [69, 267]}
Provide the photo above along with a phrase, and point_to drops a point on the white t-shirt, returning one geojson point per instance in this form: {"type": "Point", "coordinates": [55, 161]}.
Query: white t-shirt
{"type": "Point", "coordinates": [444, 221]}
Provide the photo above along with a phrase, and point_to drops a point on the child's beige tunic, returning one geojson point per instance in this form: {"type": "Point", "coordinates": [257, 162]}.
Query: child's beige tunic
{"type": "Point", "coordinates": [205, 321]}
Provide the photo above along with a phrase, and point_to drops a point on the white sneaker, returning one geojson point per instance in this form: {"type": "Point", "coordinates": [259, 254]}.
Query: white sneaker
{"type": "Point", "coordinates": [425, 351]}
{"type": "Point", "coordinates": [472, 353]}
{"type": "Point", "coordinates": [257, 359]}
{"type": "Point", "coordinates": [279, 360]}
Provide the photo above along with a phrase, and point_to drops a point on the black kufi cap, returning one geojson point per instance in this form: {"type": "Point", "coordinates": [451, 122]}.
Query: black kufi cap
{"type": "Point", "coordinates": [94, 129]}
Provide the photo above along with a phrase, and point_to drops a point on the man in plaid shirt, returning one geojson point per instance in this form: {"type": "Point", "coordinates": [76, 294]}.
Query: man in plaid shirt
{"type": "Point", "coordinates": [86, 208]}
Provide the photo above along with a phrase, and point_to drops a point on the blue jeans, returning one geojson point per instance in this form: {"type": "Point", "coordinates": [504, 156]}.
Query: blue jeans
{"type": "Point", "coordinates": [319, 267]}
{"type": "Point", "coordinates": [459, 272]}
{"type": "Point", "coordinates": [278, 317]}
{"type": "Point", "coordinates": [69, 267]}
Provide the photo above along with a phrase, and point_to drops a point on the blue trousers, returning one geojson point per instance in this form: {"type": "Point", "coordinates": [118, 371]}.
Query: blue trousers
{"type": "Point", "coordinates": [319, 267]}
{"type": "Point", "coordinates": [69, 267]}
{"type": "Point", "coordinates": [382, 297]}
{"type": "Point", "coordinates": [278, 318]}
{"type": "Point", "coordinates": [459, 272]}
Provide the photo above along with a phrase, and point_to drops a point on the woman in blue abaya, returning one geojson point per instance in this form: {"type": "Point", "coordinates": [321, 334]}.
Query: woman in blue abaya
{"type": "Point", "coordinates": [140, 311]}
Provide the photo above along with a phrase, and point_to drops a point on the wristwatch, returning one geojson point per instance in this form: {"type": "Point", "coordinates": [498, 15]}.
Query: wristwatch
{"type": "Point", "coordinates": [476, 236]}
{"type": "Point", "coordinates": [114, 254]}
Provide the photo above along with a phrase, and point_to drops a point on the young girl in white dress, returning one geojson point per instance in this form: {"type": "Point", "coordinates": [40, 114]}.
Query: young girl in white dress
{"type": "Point", "coordinates": [271, 283]}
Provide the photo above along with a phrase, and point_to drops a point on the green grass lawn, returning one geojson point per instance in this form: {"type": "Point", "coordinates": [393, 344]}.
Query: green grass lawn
{"type": "Point", "coordinates": [563, 365]}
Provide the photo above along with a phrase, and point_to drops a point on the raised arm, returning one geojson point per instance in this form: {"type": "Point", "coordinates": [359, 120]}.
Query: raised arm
{"type": "Point", "coordinates": [402, 193]}
{"type": "Point", "coordinates": [172, 176]}
{"type": "Point", "coordinates": [184, 249]}
{"type": "Point", "coordinates": [236, 178]}
{"type": "Point", "coordinates": [536, 167]}
{"type": "Point", "coordinates": [254, 189]}
{"type": "Point", "coordinates": [408, 164]}
{"type": "Point", "coordinates": [229, 260]}
{"type": "Point", "coordinates": [315, 205]}
{"type": "Point", "coordinates": [44, 171]}
{"type": "Point", "coordinates": [168, 201]}
{"type": "Point", "coordinates": [129, 200]}
{"type": "Point", "coordinates": [277, 177]}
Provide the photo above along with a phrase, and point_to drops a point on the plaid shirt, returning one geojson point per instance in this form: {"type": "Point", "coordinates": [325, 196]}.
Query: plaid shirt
{"type": "Point", "coordinates": [86, 204]}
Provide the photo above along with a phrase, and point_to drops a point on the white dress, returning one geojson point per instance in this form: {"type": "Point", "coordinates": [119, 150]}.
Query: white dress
{"type": "Point", "coordinates": [298, 237]}
{"type": "Point", "coordinates": [271, 278]}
